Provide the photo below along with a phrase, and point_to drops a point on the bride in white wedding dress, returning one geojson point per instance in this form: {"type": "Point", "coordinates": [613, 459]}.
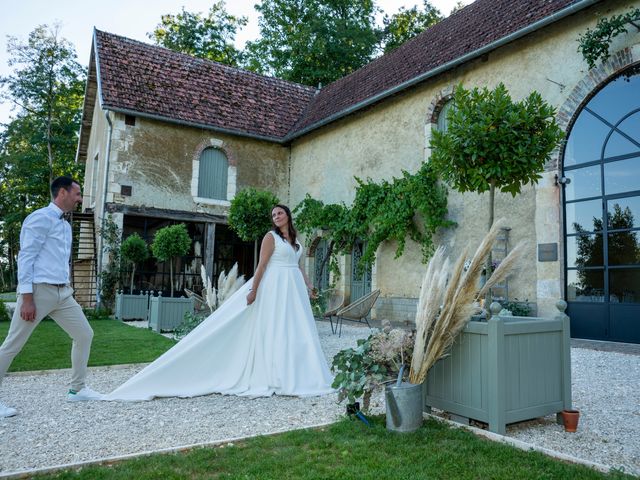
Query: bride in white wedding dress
{"type": "Point", "coordinates": [261, 341]}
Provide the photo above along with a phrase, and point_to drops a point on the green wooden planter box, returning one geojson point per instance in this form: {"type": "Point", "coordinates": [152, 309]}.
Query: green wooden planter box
{"type": "Point", "coordinates": [132, 307]}
{"type": "Point", "coordinates": [506, 370]}
{"type": "Point", "coordinates": [166, 313]}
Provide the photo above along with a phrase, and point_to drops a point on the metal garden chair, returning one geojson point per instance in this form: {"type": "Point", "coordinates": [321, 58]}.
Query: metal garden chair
{"type": "Point", "coordinates": [357, 311]}
{"type": "Point", "coordinates": [335, 301]}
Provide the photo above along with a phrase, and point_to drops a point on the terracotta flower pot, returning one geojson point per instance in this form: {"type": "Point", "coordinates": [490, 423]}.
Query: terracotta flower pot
{"type": "Point", "coordinates": [570, 419]}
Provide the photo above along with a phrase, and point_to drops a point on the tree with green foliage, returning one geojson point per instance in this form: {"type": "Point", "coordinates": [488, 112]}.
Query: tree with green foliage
{"type": "Point", "coordinates": [313, 41]}
{"type": "Point", "coordinates": [46, 87]}
{"type": "Point", "coordinates": [459, 5]}
{"type": "Point", "coordinates": [407, 23]}
{"type": "Point", "coordinates": [250, 215]}
{"type": "Point", "coordinates": [492, 142]}
{"type": "Point", "coordinates": [133, 251]}
{"type": "Point", "coordinates": [209, 36]}
{"type": "Point", "coordinates": [169, 243]}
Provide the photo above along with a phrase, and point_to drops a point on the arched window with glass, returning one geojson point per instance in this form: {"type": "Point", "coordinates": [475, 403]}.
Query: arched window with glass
{"type": "Point", "coordinates": [602, 213]}
{"type": "Point", "coordinates": [442, 123]}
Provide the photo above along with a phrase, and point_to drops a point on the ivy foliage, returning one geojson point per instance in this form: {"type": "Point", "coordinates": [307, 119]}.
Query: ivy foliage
{"type": "Point", "coordinates": [110, 277]}
{"type": "Point", "coordinates": [250, 213]}
{"type": "Point", "coordinates": [493, 142]}
{"type": "Point", "coordinates": [414, 206]}
{"type": "Point", "coordinates": [594, 44]}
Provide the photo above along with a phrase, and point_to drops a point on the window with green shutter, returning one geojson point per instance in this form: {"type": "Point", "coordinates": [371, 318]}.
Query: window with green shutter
{"type": "Point", "coordinates": [212, 179]}
{"type": "Point", "coordinates": [442, 117]}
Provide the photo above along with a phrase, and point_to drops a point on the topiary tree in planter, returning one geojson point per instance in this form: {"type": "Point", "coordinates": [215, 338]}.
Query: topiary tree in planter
{"type": "Point", "coordinates": [134, 250]}
{"type": "Point", "coordinates": [492, 142]}
{"type": "Point", "coordinates": [171, 242]}
{"type": "Point", "coordinates": [250, 215]}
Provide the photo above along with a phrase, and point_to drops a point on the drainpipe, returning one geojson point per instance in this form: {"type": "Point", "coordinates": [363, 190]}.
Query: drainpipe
{"type": "Point", "coordinates": [104, 204]}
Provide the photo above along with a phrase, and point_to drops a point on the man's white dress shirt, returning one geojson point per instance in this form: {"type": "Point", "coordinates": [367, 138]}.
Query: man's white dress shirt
{"type": "Point", "coordinates": [45, 249]}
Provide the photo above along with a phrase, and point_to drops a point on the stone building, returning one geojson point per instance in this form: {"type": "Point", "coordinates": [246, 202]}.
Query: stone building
{"type": "Point", "coordinates": [166, 137]}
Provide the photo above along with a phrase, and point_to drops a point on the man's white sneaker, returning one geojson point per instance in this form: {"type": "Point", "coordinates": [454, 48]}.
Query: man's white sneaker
{"type": "Point", "coordinates": [6, 411]}
{"type": "Point", "coordinates": [83, 395]}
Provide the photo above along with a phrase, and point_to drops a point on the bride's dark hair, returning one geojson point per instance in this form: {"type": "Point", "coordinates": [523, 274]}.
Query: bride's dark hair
{"type": "Point", "coordinates": [292, 231]}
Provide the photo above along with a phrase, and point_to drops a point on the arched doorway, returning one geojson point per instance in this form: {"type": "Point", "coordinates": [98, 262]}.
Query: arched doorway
{"type": "Point", "coordinates": [602, 213]}
{"type": "Point", "coordinates": [321, 265]}
{"type": "Point", "coordinates": [360, 277]}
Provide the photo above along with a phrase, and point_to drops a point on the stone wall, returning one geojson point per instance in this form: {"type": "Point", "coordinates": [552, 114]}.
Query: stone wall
{"type": "Point", "coordinates": [384, 139]}
{"type": "Point", "coordinates": [159, 162]}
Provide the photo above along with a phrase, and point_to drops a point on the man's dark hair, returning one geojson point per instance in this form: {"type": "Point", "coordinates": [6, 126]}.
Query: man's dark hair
{"type": "Point", "coordinates": [61, 182]}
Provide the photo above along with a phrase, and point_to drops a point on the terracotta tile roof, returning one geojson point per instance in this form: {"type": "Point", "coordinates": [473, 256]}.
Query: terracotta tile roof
{"type": "Point", "coordinates": [155, 81]}
{"type": "Point", "coordinates": [151, 80]}
{"type": "Point", "coordinates": [477, 25]}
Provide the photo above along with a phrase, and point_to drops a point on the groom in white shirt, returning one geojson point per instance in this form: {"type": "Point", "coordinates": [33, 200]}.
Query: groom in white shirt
{"type": "Point", "coordinates": [43, 288]}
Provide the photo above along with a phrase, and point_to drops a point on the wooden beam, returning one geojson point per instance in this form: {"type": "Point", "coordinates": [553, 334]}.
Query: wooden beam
{"type": "Point", "coordinates": [164, 213]}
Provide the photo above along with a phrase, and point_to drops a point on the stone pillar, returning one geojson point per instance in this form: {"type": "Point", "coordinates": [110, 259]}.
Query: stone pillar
{"type": "Point", "coordinates": [210, 242]}
{"type": "Point", "coordinates": [548, 221]}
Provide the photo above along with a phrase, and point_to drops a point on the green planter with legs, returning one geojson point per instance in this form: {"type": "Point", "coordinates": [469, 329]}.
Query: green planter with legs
{"type": "Point", "coordinates": [167, 313]}
{"type": "Point", "coordinates": [506, 370]}
{"type": "Point", "coordinates": [132, 307]}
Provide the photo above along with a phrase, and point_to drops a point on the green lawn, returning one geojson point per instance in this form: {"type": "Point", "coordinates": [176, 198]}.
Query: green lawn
{"type": "Point", "coordinates": [8, 296]}
{"type": "Point", "coordinates": [348, 450]}
{"type": "Point", "coordinates": [114, 343]}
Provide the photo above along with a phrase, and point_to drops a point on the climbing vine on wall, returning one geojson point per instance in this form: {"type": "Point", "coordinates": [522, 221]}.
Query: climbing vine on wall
{"type": "Point", "coordinates": [594, 44]}
{"type": "Point", "coordinates": [413, 206]}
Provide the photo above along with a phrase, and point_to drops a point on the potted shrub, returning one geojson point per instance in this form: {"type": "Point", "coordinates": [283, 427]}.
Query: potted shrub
{"type": "Point", "coordinates": [133, 251]}
{"type": "Point", "coordinates": [493, 143]}
{"type": "Point", "coordinates": [169, 243]}
{"type": "Point", "coordinates": [250, 216]}
{"type": "Point", "coordinates": [470, 369]}
{"type": "Point", "coordinates": [506, 370]}
{"type": "Point", "coordinates": [375, 361]}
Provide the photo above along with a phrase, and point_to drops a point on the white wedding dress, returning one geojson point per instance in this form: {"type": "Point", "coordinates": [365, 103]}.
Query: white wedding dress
{"type": "Point", "coordinates": [270, 346]}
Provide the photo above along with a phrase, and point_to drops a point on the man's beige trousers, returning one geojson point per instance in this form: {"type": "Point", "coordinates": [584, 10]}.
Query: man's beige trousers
{"type": "Point", "coordinates": [59, 304]}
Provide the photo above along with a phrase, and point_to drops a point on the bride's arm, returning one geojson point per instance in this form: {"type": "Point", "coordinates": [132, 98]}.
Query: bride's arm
{"type": "Point", "coordinates": [306, 279]}
{"type": "Point", "coordinates": [266, 250]}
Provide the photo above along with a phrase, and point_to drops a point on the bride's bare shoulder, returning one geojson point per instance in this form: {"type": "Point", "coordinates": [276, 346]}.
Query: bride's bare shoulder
{"type": "Point", "coordinates": [269, 238]}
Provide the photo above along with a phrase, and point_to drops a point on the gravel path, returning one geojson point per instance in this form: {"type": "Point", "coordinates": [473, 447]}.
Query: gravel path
{"type": "Point", "coordinates": [50, 431]}
{"type": "Point", "coordinates": [606, 391]}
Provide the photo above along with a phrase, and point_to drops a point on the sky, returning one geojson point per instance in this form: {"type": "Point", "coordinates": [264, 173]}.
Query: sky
{"type": "Point", "coordinates": [129, 18]}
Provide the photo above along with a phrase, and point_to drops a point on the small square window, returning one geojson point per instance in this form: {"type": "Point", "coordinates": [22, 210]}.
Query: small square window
{"type": "Point", "coordinates": [126, 190]}
{"type": "Point", "coordinates": [130, 120]}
